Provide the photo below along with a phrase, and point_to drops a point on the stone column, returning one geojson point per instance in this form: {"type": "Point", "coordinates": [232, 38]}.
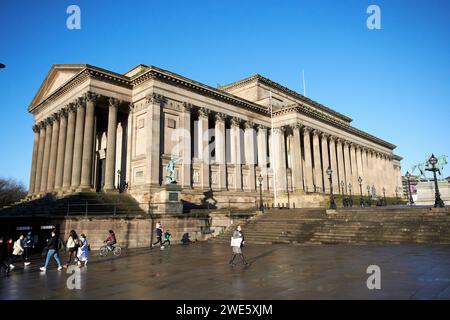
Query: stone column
{"type": "Point", "coordinates": [68, 153]}
{"type": "Point", "coordinates": [53, 154]}
{"type": "Point", "coordinates": [46, 160]}
{"type": "Point", "coordinates": [359, 162]}
{"type": "Point", "coordinates": [249, 149]}
{"type": "Point", "coordinates": [61, 149]}
{"type": "Point", "coordinates": [88, 142]}
{"type": "Point", "coordinates": [347, 165]}
{"type": "Point", "coordinates": [154, 137]}
{"type": "Point", "coordinates": [297, 159]}
{"type": "Point", "coordinates": [317, 163]}
{"type": "Point", "coordinates": [262, 155]}
{"type": "Point", "coordinates": [34, 159]}
{"type": "Point", "coordinates": [354, 166]}
{"type": "Point", "coordinates": [236, 157]}
{"type": "Point", "coordinates": [111, 140]}
{"type": "Point", "coordinates": [341, 166]}
{"type": "Point", "coordinates": [78, 144]}
{"type": "Point", "coordinates": [186, 142]}
{"type": "Point", "coordinates": [280, 159]}
{"type": "Point", "coordinates": [40, 159]}
{"type": "Point", "coordinates": [219, 131]}
{"type": "Point", "coordinates": [325, 162]}
{"type": "Point", "coordinates": [204, 152]}
{"type": "Point", "coordinates": [365, 176]}
{"type": "Point", "coordinates": [334, 165]}
{"type": "Point", "coordinates": [308, 173]}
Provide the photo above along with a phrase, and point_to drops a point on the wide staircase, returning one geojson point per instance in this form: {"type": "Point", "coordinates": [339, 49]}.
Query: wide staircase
{"type": "Point", "coordinates": [349, 226]}
{"type": "Point", "coordinates": [82, 203]}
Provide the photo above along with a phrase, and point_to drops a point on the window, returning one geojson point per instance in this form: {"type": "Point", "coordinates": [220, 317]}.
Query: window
{"type": "Point", "coordinates": [171, 123]}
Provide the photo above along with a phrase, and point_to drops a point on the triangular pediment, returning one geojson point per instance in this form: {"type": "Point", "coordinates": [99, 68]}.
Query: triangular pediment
{"type": "Point", "coordinates": [56, 77]}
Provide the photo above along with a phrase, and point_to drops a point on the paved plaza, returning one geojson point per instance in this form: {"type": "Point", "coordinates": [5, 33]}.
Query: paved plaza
{"type": "Point", "coordinates": [201, 271]}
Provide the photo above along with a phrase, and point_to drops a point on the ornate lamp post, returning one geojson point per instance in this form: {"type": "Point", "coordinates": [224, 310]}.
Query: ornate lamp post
{"type": "Point", "coordinates": [384, 195]}
{"type": "Point", "coordinates": [369, 202]}
{"type": "Point", "coordinates": [332, 203]}
{"type": "Point", "coordinates": [361, 201]}
{"type": "Point", "coordinates": [438, 203]}
{"type": "Point", "coordinates": [408, 179]}
{"type": "Point", "coordinates": [344, 203]}
{"type": "Point", "coordinates": [260, 180]}
{"type": "Point", "coordinates": [350, 192]}
{"type": "Point", "coordinates": [118, 179]}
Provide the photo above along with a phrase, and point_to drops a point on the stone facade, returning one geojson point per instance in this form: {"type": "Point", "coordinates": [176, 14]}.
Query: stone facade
{"type": "Point", "coordinates": [96, 130]}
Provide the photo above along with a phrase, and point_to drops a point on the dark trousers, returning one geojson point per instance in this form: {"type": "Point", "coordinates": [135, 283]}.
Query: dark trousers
{"type": "Point", "coordinates": [72, 253]}
{"type": "Point", "coordinates": [242, 258]}
{"type": "Point", "coordinates": [26, 254]}
{"type": "Point", "coordinates": [158, 240]}
{"type": "Point", "coordinates": [14, 258]}
{"type": "Point", "coordinates": [168, 241]}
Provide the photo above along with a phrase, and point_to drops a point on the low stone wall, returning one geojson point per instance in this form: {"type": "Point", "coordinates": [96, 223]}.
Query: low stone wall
{"type": "Point", "coordinates": [137, 232]}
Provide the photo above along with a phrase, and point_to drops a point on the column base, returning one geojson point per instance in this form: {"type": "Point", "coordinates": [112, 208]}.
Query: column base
{"type": "Point", "coordinates": [110, 190]}
{"type": "Point", "coordinates": [85, 189]}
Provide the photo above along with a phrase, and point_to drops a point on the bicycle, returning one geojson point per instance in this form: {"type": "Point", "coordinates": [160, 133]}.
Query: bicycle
{"type": "Point", "coordinates": [116, 250]}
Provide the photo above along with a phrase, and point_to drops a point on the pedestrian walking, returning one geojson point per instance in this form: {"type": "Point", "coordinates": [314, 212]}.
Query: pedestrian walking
{"type": "Point", "coordinates": [4, 257]}
{"type": "Point", "coordinates": [159, 234]}
{"type": "Point", "coordinates": [72, 247]}
{"type": "Point", "coordinates": [166, 237]}
{"type": "Point", "coordinates": [237, 242]}
{"type": "Point", "coordinates": [83, 251]}
{"type": "Point", "coordinates": [17, 252]}
{"type": "Point", "coordinates": [53, 246]}
{"type": "Point", "coordinates": [27, 245]}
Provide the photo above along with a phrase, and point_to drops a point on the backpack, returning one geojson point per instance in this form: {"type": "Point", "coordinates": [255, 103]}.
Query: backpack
{"type": "Point", "coordinates": [61, 244]}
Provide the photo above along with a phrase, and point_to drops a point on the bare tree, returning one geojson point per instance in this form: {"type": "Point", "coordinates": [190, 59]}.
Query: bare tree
{"type": "Point", "coordinates": [11, 191]}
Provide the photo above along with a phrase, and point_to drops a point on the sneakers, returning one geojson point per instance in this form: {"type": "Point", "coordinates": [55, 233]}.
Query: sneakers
{"type": "Point", "coordinates": [85, 263]}
{"type": "Point", "coordinates": [43, 269]}
{"type": "Point", "coordinates": [162, 248]}
{"type": "Point", "coordinates": [26, 263]}
{"type": "Point", "coordinates": [11, 266]}
{"type": "Point", "coordinates": [59, 268]}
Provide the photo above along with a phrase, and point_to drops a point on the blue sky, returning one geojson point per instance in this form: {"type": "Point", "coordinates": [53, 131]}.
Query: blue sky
{"type": "Point", "coordinates": [393, 82]}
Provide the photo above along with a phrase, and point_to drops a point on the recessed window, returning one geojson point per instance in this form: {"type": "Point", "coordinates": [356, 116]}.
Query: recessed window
{"type": "Point", "coordinates": [139, 174]}
{"type": "Point", "coordinates": [171, 123]}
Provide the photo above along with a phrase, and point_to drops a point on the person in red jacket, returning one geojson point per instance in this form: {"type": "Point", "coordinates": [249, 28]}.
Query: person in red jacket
{"type": "Point", "coordinates": [111, 240]}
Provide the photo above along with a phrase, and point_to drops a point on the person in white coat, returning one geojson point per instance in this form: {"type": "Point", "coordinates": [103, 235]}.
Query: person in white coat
{"type": "Point", "coordinates": [83, 250]}
{"type": "Point", "coordinates": [17, 252]}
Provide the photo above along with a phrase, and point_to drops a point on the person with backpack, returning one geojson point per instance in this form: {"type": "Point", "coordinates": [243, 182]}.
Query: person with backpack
{"type": "Point", "coordinates": [27, 244]}
{"type": "Point", "coordinates": [17, 252]}
{"type": "Point", "coordinates": [83, 251]}
{"type": "Point", "coordinates": [72, 245]}
{"type": "Point", "coordinates": [237, 242]}
{"type": "Point", "coordinates": [53, 246]}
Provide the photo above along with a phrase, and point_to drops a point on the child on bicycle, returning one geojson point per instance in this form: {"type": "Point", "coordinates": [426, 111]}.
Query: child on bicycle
{"type": "Point", "coordinates": [111, 240]}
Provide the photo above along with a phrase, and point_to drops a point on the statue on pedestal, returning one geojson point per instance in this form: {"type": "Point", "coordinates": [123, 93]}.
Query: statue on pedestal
{"type": "Point", "coordinates": [170, 168]}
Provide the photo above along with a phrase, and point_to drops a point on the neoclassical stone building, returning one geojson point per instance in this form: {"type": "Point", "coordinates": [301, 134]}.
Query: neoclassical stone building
{"type": "Point", "coordinates": [96, 130]}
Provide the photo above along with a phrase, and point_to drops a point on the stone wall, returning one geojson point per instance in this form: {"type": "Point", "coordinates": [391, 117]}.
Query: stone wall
{"type": "Point", "coordinates": [136, 232]}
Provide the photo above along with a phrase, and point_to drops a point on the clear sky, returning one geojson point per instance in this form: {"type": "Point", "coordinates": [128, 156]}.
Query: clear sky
{"type": "Point", "coordinates": [393, 82]}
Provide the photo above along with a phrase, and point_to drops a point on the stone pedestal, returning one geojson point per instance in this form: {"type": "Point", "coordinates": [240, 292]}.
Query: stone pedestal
{"type": "Point", "coordinates": [170, 200]}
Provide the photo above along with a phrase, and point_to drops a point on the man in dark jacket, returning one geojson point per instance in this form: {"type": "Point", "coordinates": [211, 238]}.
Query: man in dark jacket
{"type": "Point", "coordinates": [159, 233]}
{"type": "Point", "coordinates": [52, 248]}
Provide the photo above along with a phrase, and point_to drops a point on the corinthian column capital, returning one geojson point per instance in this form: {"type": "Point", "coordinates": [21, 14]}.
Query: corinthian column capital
{"type": "Point", "coordinates": [90, 96]}
{"type": "Point", "coordinates": [113, 102]}
{"type": "Point", "coordinates": [155, 98]}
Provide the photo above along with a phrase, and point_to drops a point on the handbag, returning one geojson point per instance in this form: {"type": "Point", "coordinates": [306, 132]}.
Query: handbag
{"type": "Point", "coordinates": [236, 242]}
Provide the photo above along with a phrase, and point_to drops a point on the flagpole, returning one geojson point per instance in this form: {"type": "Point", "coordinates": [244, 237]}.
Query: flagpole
{"type": "Point", "coordinates": [273, 149]}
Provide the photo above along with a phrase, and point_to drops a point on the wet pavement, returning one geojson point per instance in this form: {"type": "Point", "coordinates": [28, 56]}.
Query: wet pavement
{"type": "Point", "coordinates": [201, 271]}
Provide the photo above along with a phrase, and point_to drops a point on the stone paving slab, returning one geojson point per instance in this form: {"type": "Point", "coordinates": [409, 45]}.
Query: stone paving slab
{"type": "Point", "coordinates": [201, 271]}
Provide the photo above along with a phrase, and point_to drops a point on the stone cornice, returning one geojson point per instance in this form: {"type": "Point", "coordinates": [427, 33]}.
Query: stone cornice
{"type": "Point", "coordinates": [258, 77]}
{"type": "Point", "coordinates": [330, 120]}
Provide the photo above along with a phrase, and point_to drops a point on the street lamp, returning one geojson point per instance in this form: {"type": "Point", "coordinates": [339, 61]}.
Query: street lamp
{"type": "Point", "coordinates": [118, 179]}
{"type": "Point", "coordinates": [344, 204]}
{"type": "Point", "coordinates": [438, 203]}
{"type": "Point", "coordinates": [361, 201]}
{"type": "Point", "coordinates": [384, 195]}
{"type": "Point", "coordinates": [408, 179]}
{"type": "Point", "coordinates": [350, 192]}
{"type": "Point", "coordinates": [369, 202]}
{"type": "Point", "coordinates": [260, 180]}
{"type": "Point", "coordinates": [332, 203]}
